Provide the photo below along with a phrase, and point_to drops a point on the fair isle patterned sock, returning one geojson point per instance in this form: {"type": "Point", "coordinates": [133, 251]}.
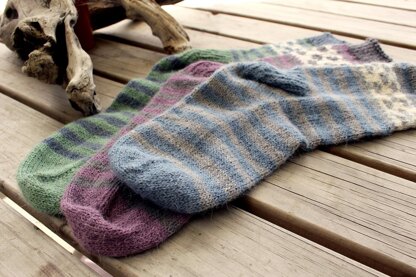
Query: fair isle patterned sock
{"type": "Point", "coordinates": [249, 118]}
{"type": "Point", "coordinates": [48, 169]}
{"type": "Point", "coordinates": [105, 216]}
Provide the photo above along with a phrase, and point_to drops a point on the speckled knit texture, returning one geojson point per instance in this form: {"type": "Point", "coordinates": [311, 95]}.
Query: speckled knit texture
{"type": "Point", "coordinates": [106, 217]}
{"type": "Point", "coordinates": [249, 118]}
{"type": "Point", "coordinates": [48, 169]}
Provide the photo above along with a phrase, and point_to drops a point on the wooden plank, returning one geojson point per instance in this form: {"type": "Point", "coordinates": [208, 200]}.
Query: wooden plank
{"type": "Point", "coordinates": [342, 25]}
{"type": "Point", "coordinates": [234, 243]}
{"type": "Point", "coordinates": [122, 62]}
{"type": "Point", "coordinates": [358, 211]}
{"type": "Point", "coordinates": [26, 251]}
{"type": "Point", "coordinates": [137, 33]}
{"type": "Point", "coordinates": [398, 4]}
{"type": "Point", "coordinates": [395, 154]}
{"type": "Point", "coordinates": [363, 11]}
{"type": "Point", "coordinates": [21, 129]}
{"type": "Point", "coordinates": [241, 243]}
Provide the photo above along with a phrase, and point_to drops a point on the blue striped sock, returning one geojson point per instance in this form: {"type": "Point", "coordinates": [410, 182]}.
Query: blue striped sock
{"type": "Point", "coordinates": [249, 118]}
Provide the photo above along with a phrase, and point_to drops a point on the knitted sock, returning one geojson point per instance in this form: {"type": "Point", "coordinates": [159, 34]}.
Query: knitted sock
{"type": "Point", "coordinates": [105, 216]}
{"type": "Point", "coordinates": [249, 118]}
{"type": "Point", "coordinates": [48, 169]}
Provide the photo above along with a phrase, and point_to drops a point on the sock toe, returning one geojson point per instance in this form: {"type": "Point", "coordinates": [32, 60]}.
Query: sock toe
{"type": "Point", "coordinates": [43, 186]}
{"type": "Point", "coordinates": [127, 225]}
{"type": "Point", "coordinates": [44, 199]}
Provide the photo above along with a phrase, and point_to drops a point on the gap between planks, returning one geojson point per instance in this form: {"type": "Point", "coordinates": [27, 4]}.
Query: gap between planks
{"type": "Point", "coordinates": [408, 5]}
{"type": "Point", "coordinates": [402, 36]}
{"type": "Point", "coordinates": [138, 33]}
{"type": "Point", "coordinates": [28, 251]}
{"type": "Point", "coordinates": [355, 10]}
{"type": "Point", "coordinates": [344, 206]}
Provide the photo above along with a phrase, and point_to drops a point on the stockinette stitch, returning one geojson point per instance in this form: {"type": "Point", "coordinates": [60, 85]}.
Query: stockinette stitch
{"type": "Point", "coordinates": [49, 167]}
{"type": "Point", "coordinates": [249, 118]}
{"type": "Point", "coordinates": [105, 216]}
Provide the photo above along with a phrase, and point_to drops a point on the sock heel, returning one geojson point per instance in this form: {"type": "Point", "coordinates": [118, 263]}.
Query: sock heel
{"type": "Point", "coordinates": [290, 81]}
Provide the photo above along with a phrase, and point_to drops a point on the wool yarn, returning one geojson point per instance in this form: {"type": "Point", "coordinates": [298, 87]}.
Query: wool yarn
{"type": "Point", "coordinates": [49, 167]}
{"type": "Point", "coordinates": [107, 218]}
{"type": "Point", "coordinates": [248, 118]}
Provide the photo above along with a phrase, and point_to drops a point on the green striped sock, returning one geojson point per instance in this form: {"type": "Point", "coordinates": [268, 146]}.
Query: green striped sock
{"type": "Point", "coordinates": [49, 168]}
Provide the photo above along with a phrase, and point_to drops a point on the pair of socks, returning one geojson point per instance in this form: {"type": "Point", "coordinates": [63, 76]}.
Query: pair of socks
{"type": "Point", "coordinates": [107, 217]}
{"type": "Point", "coordinates": [46, 172]}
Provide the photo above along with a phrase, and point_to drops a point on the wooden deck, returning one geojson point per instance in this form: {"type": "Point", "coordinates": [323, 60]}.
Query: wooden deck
{"type": "Point", "coordinates": [340, 211]}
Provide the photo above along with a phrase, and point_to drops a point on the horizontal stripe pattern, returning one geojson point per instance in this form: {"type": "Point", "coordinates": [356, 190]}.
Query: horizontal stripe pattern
{"type": "Point", "coordinates": [95, 182]}
{"type": "Point", "coordinates": [237, 127]}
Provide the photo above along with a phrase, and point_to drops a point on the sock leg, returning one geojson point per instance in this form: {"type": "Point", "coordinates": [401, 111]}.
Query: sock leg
{"type": "Point", "coordinates": [240, 126]}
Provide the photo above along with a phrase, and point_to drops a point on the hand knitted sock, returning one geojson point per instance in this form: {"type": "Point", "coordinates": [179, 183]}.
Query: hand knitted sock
{"type": "Point", "coordinates": [48, 169]}
{"type": "Point", "coordinates": [105, 216]}
{"type": "Point", "coordinates": [249, 118]}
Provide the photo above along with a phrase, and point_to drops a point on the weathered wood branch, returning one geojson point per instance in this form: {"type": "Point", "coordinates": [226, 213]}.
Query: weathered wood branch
{"type": "Point", "coordinates": [41, 33]}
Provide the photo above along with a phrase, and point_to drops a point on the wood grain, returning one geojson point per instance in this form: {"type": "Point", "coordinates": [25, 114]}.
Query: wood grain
{"type": "Point", "coordinates": [359, 211]}
{"type": "Point", "coordinates": [399, 4]}
{"type": "Point", "coordinates": [247, 29]}
{"type": "Point", "coordinates": [363, 11]}
{"type": "Point", "coordinates": [342, 25]}
{"type": "Point", "coordinates": [117, 61]}
{"type": "Point", "coordinates": [26, 251]}
{"type": "Point", "coordinates": [234, 243]}
{"type": "Point", "coordinates": [23, 129]}
{"type": "Point", "coordinates": [139, 34]}
{"type": "Point", "coordinates": [122, 62]}
{"type": "Point", "coordinates": [395, 154]}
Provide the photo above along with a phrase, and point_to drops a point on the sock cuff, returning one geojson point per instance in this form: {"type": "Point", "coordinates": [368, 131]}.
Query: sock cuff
{"type": "Point", "coordinates": [290, 81]}
{"type": "Point", "coordinates": [323, 39]}
{"type": "Point", "coordinates": [369, 51]}
{"type": "Point", "coordinates": [407, 73]}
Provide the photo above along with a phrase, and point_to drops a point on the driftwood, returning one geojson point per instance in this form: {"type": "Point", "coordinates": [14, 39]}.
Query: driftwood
{"type": "Point", "coordinates": [42, 33]}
